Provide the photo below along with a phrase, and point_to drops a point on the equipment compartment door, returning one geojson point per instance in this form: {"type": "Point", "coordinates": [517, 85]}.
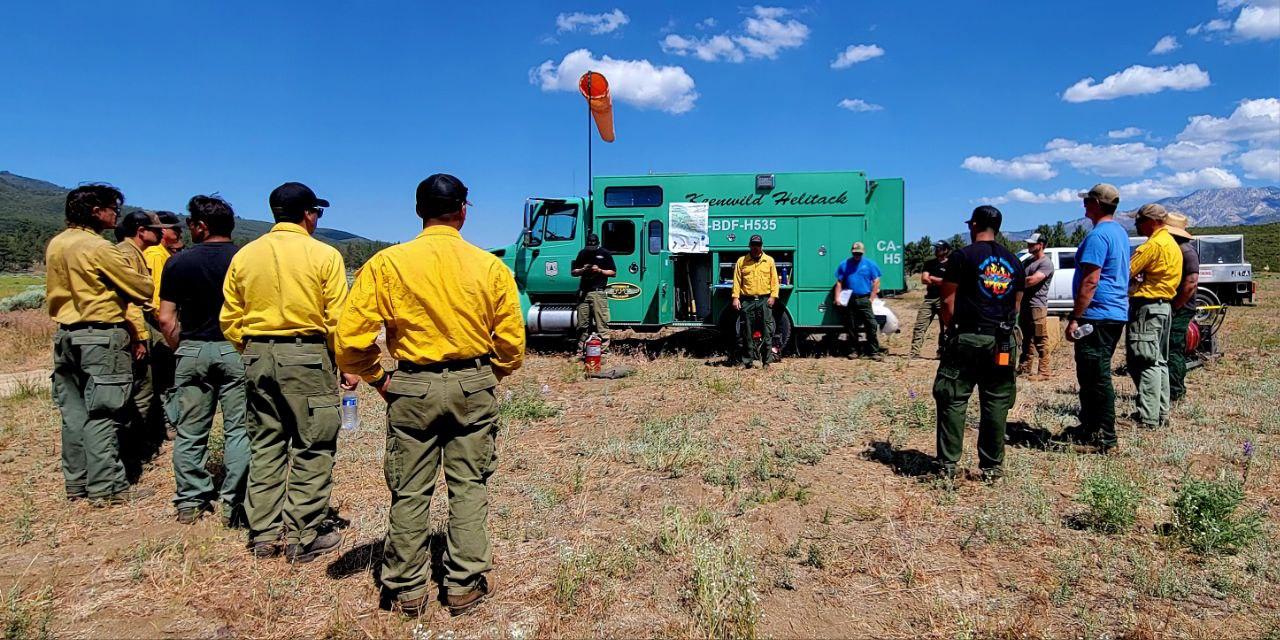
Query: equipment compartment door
{"type": "Point", "coordinates": [633, 291]}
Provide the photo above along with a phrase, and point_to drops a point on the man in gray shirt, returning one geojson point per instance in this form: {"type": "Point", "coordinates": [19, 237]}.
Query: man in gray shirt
{"type": "Point", "coordinates": [1033, 318]}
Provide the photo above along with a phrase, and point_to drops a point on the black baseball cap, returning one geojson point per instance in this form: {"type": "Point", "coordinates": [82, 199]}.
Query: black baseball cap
{"type": "Point", "coordinates": [292, 198]}
{"type": "Point", "coordinates": [756, 239]}
{"type": "Point", "coordinates": [593, 240]}
{"type": "Point", "coordinates": [135, 220]}
{"type": "Point", "coordinates": [441, 194]}
{"type": "Point", "coordinates": [168, 220]}
{"type": "Point", "coordinates": [942, 244]}
{"type": "Point", "coordinates": [987, 217]}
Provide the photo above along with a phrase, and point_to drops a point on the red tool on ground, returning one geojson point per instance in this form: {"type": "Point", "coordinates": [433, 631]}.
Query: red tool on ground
{"type": "Point", "coordinates": [591, 353]}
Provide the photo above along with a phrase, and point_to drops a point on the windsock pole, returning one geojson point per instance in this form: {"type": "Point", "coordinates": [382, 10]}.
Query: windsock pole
{"type": "Point", "coordinates": [590, 144]}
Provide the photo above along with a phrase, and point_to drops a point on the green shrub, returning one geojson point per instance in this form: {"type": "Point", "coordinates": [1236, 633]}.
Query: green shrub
{"type": "Point", "coordinates": [526, 403]}
{"type": "Point", "coordinates": [1111, 499]}
{"type": "Point", "coordinates": [31, 298]}
{"type": "Point", "coordinates": [1204, 515]}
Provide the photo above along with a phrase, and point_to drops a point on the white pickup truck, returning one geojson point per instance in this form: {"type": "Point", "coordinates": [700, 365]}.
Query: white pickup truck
{"type": "Point", "coordinates": [1225, 278]}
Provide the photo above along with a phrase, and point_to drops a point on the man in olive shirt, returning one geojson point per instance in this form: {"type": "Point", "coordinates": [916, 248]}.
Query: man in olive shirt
{"type": "Point", "coordinates": [282, 298]}
{"type": "Point", "coordinates": [1155, 271]}
{"type": "Point", "coordinates": [208, 370]}
{"type": "Point", "coordinates": [1033, 317]}
{"type": "Point", "coordinates": [160, 358]}
{"type": "Point", "coordinates": [452, 316]}
{"type": "Point", "coordinates": [89, 286]}
{"type": "Point", "coordinates": [931, 278]}
{"type": "Point", "coordinates": [755, 290]}
{"type": "Point", "coordinates": [141, 441]}
{"type": "Point", "coordinates": [1184, 305]}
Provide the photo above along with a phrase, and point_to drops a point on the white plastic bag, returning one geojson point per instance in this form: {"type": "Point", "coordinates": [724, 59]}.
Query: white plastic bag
{"type": "Point", "coordinates": [885, 317]}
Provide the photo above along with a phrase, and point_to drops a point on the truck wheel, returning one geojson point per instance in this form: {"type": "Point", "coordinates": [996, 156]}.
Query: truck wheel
{"type": "Point", "coordinates": [733, 325]}
{"type": "Point", "coordinates": [1205, 298]}
{"type": "Point", "coordinates": [783, 329]}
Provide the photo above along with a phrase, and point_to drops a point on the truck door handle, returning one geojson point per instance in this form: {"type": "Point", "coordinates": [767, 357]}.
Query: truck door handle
{"type": "Point", "coordinates": [634, 268]}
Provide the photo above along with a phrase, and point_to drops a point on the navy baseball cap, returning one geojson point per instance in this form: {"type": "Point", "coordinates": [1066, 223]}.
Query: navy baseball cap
{"type": "Point", "coordinates": [441, 192]}
{"type": "Point", "coordinates": [292, 198]}
{"type": "Point", "coordinates": [987, 217]}
{"type": "Point", "coordinates": [756, 240]}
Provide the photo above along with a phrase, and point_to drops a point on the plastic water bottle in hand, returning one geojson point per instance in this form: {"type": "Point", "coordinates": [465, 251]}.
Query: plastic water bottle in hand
{"type": "Point", "coordinates": [1081, 331]}
{"type": "Point", "coordinates": [350, 411]}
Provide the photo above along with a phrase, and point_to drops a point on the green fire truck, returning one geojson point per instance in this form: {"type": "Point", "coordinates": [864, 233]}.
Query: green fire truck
{"type": "Point", "coordinates": [675, 270]}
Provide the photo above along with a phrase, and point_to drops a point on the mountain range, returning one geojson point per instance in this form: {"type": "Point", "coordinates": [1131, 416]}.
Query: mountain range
{"type": "Point", "coordinates": [1206, 208]}
{"type": "Point", "coordinates": [31, 212]}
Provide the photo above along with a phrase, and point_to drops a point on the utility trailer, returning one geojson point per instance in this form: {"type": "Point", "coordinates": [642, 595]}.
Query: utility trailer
{"type": "Point", "coordinates": [808, 222]}
{"type": "Point", "coordinates": [1225, 277]}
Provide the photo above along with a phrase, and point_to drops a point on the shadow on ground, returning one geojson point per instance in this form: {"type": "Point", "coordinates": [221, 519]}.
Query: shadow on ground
{"type": "Point", "coordinates": [904, 462]}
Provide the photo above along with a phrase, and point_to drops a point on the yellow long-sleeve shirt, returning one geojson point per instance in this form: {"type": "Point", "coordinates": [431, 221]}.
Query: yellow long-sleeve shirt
{"type": "Point", "coordinates": [440, 299]}
{"type": "Point", "coordinates": [89, 280]}
{"type": "Point", "coordinates": [156, 257]}
{"type": "Point", "coordinates": [285, 283]}
{"type": "Point", "coordinates": [752, 277]}
{"type": "Point", "coordinates": [1159, 262]}
{"type": "Point", "coordinates": [135, 314]}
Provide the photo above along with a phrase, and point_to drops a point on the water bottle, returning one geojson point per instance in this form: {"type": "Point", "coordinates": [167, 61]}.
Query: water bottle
{"type": "Point", "coordinates": [1081, 331]}
{"type": "Point", "coordinates": [350, 411]}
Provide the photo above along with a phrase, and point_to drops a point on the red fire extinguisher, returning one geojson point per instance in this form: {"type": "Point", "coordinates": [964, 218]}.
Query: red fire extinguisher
{"type": "Point", "coordinates": [591, 353]}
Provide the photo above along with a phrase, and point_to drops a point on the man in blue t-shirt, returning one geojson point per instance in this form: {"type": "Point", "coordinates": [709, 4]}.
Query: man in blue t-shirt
{"type": "Point", "coordinates": [861, 278]}
{"type": "Point", "coordinates": [1100, 289]}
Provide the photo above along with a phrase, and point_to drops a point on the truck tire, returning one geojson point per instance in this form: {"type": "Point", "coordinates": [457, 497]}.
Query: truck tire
{"type": "Point", "coordinates": [1205, 298]}
{"type": "Point", "coordinates": [733, 324]}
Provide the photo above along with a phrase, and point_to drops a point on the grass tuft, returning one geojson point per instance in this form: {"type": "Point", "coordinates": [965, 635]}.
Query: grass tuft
{"type": "Point", "coordinates": [1111, 499]}
{"type": "Point", "coordinates": [1204, 516]}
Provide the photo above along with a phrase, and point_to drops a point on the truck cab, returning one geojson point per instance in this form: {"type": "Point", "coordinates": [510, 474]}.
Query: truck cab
{"type": "Point", "coordinates": [808, 222]}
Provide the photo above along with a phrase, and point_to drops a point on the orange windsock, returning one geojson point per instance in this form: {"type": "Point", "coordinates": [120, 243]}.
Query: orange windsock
{"type": "Point", "coordinates": [595, 88]}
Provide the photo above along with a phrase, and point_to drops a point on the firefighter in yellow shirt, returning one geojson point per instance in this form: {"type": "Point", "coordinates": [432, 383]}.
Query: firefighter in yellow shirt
{"type": "Point", "coordinates": [1155, 270]}
{"type": "Point", "coordinates": [89, 286]}
{"type": "Point", "coordinates": [282, 297]}
{"type": "Point", "coordinates": [160, 359]}
{"type": "Point", "coordinates": [755, 290]}
{"type": "Point", "coordinates": [452, 316]}
{"type": "Point", "coordinates": [140, 442]}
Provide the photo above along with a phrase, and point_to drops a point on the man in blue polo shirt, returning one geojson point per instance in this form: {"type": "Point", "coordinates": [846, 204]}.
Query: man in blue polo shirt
{"type": "Point", "coordinates": [1100, 287]}
{"type": "Point", "coordinates": [861, 278]}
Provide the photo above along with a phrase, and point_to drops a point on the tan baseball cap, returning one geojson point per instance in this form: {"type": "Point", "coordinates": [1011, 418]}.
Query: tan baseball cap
{"type": "Point", "coordinates": [1104, 193]}
{"type": "Point", "coordinates": [858, 247]}
{"type": "Point", "coordinates": [1151, 211]}
{"type": "Point", "coordinates": [1176, 223]}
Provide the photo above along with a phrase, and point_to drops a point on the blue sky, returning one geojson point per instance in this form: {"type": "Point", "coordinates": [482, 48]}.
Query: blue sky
{"type": "Point", "coordinates": [968, 101]}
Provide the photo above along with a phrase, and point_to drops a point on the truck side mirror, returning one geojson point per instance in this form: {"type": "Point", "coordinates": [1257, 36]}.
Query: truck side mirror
{"type": "Point", "coordinates": [529, 240]}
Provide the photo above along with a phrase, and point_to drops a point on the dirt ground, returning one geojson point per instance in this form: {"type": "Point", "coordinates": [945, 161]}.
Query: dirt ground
{"type": "Point", "coordinates": [695, 500]}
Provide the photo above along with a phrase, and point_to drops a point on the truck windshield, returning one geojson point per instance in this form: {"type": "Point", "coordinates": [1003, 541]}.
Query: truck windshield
{"type": "Point", "coordinates": [1221, 250]}
{"type": "Point", "coordinates": [554, 222]}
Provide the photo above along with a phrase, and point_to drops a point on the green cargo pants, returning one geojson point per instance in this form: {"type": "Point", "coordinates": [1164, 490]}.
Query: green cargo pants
{"type": "Point", "coordinates": [924, 318]}
{"type": "Point", "coordinates": [437, 419]}
{"type": "Point", "coordinates": [1147, 357]}
{"type": "Point", "coordinates": [860, 317]}
{"type": "Point", "coordinates": [593, 313]}
{"type": "Point", "coordinates": [759, 317]}
{"type": "Point", "coordinates": [208, 374]}
{"type": "Point", "coordinates": [1178, 352]}
{"type": "Point", "coordinates": [293, 420]}
{"type": "Point", "coordinates": [1093, 373]}
{"type": "Point", "coordinates": [92, 381]}
{"type": "Point", "coordinates": [144, 433]}
{"type": "Point", "coordinates": [968, 360]}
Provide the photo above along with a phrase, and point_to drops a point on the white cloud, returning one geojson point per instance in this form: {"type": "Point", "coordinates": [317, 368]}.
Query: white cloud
{"type": "Point", "coordinates": [1127, 132]}
{"type": "Point", "coordinates": [858, 104]}
{"type": "Point", "coordinates": [1165, 45]}
{"type": "Point", "coordinates": [856, 53]}
{"type": "Point", "coordinates": [1030, 197]}
{"type": "Point", "coordinates": [1179, 184]}
{"type": "Point", "coordinates": [1011, 169]}
{"type": "Point", "coordinates": [1228, 5]}
{"type": "Point", "coordinates": [765, 32]}
{"type": "Point", "coordinates": [593, 23]}
{"type": "Point", "coordinates": [709, 23]}
{"type": "Point", "coordinates": [1261, 164]}
{"type": "Point", "coordinates": [1186, 156]}
{"type": "Point", "coordinates": [1253, 121]}
{"type": "Point", "coordinates": [1258, 22]}
{"type": "Point", "coordinates": [635, 82]}
{"type": "Point", "coordinates": [1212, 26]}
{"type": "Point", "coordinates": [1138, 80]}
{"type": "Point", "coordinates": [1127, 159]}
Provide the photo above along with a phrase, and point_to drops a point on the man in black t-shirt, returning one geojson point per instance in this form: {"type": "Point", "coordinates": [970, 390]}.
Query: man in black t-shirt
{"type": "Point", "coordinates": [931, 278]}
{"type": "Point", "coordinates": [593, 266]}
{"type": "Point", "coordinates": [981, 293]}
{"type": "Point", "coordinates": [208, 368]}
{"type": "Point", "coordinates": [1184, 305]}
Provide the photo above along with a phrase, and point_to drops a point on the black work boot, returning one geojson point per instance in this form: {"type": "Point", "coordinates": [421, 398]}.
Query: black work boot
{"type": "Point", "coordinates": [324, 543]}
{"type": "Point", "coordinates": [190, 515]}
{"type": "Point", "coordinates": [132, 494]}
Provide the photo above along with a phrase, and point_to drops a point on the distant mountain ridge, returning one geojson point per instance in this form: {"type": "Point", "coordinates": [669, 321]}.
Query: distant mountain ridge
{"type": "Point", "coordinates": [31, 212]}
{"type": "Point", "coordinates": [1206, 208]}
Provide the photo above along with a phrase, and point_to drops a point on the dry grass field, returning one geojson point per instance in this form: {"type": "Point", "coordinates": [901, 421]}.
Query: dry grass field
{"type": "Point", "coordinates": [690, 500]}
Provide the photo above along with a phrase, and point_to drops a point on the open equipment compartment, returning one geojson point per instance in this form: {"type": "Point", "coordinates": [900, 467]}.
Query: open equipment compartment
{"type": "Point", "coordinates": [692, 275]}
{"type": "Point", "coordinates": [783, 260]}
